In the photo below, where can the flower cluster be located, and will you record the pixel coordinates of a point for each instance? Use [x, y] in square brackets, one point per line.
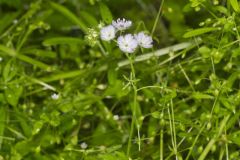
[91, 37]
[127, 43]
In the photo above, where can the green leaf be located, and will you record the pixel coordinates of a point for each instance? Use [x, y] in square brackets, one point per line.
[204, 51]
[12, 3]
[62, 40]
[156, 115]
[199, 31]
[235, 5]
[235, 137]
[101, 135]
[24, 147]
[8, 51]
[113, 156]
[34, 62]
[90, 19]
[68, 14]
[116, 89]
[39, 52]
[6, 20]
[37, 127]
[9, 70]
[199, 95]
[226, 103]
[232, 121]
[63, 75]
[105, 13]
[112, 76]
[13, 93]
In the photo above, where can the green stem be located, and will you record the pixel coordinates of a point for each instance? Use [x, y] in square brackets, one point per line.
[157, 18]
[24, 39]
[226, 147]
[221, 153]
[186, 76]
[134, 120]
[174, 129]
[161, 136]
[214, 139]
[161, 143]
[194, 142]
[102, 49]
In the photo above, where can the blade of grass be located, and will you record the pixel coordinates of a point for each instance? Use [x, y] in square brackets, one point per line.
[157, 18]
[45, 85]
[172, 128]
[60, 76]
[18, 134]
[23, 39]
[62, 40]
[2, 123]
[8, 51]
[12, 53]
[34, 62]
[69, 15]
[23, 122]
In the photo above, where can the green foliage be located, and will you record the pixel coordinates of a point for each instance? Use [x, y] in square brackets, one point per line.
[105, 13]
[235, 5]
[197, 32]
[65, 94]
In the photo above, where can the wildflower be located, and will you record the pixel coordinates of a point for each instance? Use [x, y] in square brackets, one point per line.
[144, 40]
[107, 33]
[122, 24]
[83, 145]
[116, 117]
[91, 37]
[55, 96]
[127, 43]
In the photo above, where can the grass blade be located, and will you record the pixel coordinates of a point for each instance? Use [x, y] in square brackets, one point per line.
[62, 40]
[69, 15]
[2, 123]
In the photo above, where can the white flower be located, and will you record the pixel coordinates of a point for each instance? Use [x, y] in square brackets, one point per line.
[107, 33]
[116, 117]
[83, 145]
[122, 24]
[55, 96]
[144, 40]
[127, 43]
